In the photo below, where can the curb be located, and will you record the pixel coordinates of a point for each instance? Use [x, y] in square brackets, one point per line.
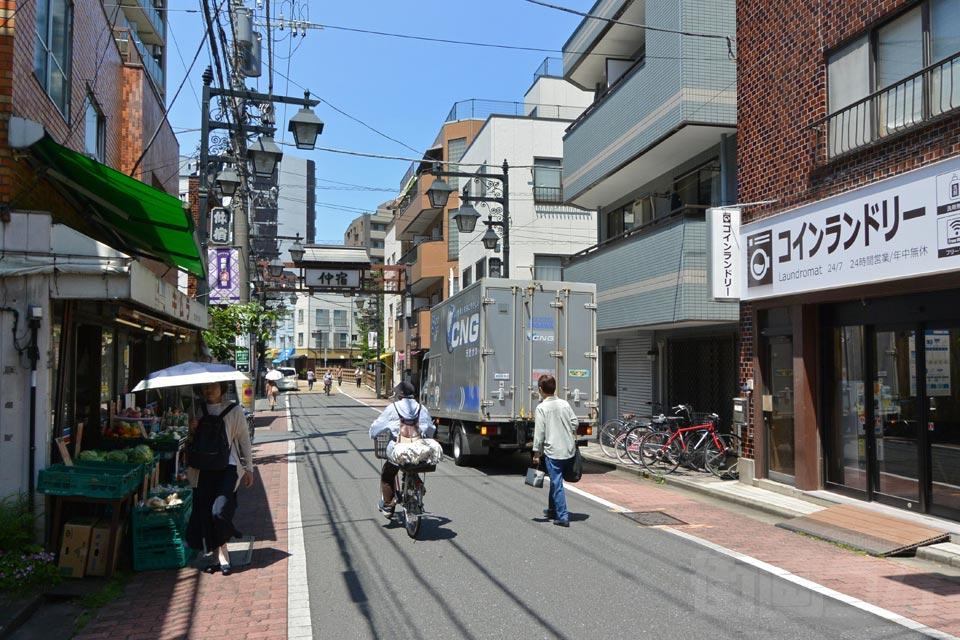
[20, 616]
[698, 487]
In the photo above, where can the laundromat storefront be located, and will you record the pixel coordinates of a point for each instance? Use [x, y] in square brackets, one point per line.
[846, 357]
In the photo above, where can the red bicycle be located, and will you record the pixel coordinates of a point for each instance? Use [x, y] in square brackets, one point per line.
[661, 452]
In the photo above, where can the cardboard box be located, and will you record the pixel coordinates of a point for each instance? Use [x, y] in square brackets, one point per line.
[75, 546]
[99, 554]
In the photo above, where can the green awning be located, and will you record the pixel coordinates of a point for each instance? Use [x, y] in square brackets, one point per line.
[142, 219]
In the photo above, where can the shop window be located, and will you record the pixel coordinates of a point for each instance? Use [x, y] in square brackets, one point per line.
[53, 49]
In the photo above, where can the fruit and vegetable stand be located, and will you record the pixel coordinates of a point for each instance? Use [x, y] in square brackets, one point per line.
[123, 482]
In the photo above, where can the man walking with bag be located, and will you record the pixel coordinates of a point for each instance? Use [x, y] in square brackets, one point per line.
[554, 438]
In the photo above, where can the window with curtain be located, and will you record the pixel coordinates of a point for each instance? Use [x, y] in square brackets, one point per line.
[547, 267]
[53, 51]
[299, 316]
[547, 183]
[340, 341]
[300, 339]
[323, 317]
[340, 317]
[883, 60]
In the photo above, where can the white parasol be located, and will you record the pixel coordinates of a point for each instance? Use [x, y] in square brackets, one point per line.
[189, 373]
[273, 374]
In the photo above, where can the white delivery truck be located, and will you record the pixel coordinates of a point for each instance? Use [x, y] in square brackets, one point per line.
[490, 343]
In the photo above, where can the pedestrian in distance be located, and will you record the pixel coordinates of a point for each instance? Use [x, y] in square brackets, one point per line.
[311, 377]
[554, 440]
[219, 460]
[359, 374]
[327, 381]
[339, 375]
[272, 394]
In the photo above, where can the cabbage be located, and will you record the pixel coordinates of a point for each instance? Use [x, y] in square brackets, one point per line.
[141, 453]
[89, 455]
[116, 456]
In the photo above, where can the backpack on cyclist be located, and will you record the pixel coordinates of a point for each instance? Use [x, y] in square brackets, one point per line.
[409, 426]
[210, 448]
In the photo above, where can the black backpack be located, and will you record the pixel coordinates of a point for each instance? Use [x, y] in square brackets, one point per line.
[210, 448]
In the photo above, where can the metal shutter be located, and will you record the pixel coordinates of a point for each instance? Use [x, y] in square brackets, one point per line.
[634, 375]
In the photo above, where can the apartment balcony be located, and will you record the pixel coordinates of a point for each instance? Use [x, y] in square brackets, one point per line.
[930, 94]
[654, 276]
[586, 51]
[674, 101]
[135, 52]
[428, 265]
[145, 18]
[420, 329]
[415, 217]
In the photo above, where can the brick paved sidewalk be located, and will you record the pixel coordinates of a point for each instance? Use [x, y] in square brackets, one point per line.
[187, 603]
[930, 598]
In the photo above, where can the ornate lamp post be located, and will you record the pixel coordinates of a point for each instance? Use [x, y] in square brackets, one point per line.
[466, 218]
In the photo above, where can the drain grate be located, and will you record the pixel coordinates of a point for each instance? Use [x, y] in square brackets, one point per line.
[651, 518]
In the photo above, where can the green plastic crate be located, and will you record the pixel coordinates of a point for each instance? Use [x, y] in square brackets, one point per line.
[139, 467]
[174, 555]
[88, 481]
[163, 520]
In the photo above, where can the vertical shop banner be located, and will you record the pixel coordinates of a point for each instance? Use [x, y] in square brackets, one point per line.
[221, 225]
[223, 275]
[723, 229]
[902, 227]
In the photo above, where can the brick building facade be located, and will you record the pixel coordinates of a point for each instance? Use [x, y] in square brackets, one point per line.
[849, 130]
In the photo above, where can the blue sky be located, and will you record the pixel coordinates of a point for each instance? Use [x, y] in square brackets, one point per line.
[403, 88]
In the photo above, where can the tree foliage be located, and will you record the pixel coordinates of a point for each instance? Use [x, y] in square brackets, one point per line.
[249, 319]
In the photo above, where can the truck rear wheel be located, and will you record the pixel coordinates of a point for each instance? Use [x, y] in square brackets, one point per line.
[459, 458]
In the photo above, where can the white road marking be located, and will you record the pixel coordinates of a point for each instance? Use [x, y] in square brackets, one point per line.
[299, 623]
[886, 614]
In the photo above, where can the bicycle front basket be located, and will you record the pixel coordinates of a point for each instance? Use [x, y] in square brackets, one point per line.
[699, 417]
[380, 445]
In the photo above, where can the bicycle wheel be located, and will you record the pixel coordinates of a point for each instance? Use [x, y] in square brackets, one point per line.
[658, 454]
[631, 442]
[411, 507]
[723, 462]
[607, 436]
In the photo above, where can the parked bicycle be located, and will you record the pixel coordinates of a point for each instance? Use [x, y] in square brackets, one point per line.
[629, 443]
[409, 487]
[700, 445]
[611, 434]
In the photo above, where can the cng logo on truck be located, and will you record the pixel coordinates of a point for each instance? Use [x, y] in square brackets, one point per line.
[540, 329]
[461, 330]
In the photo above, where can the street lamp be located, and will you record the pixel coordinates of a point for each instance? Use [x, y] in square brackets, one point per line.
[275, 267]
[297, 250]
[305, 127]
[264, 155]
[466, 218]
[228, 181]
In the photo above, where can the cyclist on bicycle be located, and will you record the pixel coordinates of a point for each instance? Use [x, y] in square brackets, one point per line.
[327, 382]
[406, 420]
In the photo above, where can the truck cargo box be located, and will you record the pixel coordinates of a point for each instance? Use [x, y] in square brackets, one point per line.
[490, 343]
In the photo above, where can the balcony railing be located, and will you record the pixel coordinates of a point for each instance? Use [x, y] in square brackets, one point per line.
[138, 53]
[929, 94]
[689, 211]
[549, 68]
[483, 109]
[548, 195]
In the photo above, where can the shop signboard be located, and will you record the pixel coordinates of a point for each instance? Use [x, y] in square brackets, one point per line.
[242, 356]
[903, 227]
[723, 227]
[332, 279]
[224, 275]
[221, 225]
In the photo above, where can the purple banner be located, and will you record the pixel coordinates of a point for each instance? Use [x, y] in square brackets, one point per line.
[224, 275]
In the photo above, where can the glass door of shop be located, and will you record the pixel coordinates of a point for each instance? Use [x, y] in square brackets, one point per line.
[778, 408]
[942, 400]
[896, 415]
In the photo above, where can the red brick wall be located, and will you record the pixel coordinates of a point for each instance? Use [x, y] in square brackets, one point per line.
[781, 77]
[131, 107]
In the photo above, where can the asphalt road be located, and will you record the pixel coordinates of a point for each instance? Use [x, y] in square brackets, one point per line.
[488, 566]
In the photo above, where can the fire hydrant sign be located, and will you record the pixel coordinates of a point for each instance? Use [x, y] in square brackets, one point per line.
[243, 359]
